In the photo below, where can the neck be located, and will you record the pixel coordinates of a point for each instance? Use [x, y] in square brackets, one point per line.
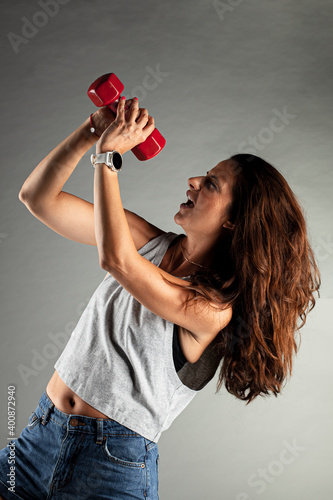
[198, 252]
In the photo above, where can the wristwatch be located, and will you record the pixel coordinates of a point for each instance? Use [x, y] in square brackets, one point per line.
[112, 159]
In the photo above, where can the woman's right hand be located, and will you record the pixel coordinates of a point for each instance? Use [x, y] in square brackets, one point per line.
[103, 117]
[128, 129]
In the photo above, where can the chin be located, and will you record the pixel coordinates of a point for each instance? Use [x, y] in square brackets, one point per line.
[178, 218]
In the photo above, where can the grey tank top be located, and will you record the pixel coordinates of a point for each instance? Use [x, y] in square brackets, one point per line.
[119, 358]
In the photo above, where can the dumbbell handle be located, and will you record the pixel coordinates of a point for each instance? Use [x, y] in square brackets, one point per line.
[105, 91]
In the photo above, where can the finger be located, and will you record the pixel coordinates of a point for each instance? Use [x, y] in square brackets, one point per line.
[133, 111]
[149, 128]
[143, 118]
[121, 108]
[128, 103]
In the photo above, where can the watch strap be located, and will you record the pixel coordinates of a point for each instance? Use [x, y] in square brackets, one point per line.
[106, 158]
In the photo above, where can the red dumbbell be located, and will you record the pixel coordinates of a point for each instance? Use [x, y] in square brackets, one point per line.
[105, 91]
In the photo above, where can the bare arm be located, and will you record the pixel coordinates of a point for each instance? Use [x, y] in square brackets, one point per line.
[45, 183]
[148, 283]
[65, 213]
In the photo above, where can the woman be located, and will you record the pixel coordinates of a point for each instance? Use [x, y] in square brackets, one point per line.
[170, 310]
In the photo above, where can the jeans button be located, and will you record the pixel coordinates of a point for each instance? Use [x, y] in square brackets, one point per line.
[74, 422]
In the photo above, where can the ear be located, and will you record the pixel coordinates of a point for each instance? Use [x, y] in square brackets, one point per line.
[228, 225]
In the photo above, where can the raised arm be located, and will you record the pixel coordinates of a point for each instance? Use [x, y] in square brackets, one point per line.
[117, 252]
[63, 212]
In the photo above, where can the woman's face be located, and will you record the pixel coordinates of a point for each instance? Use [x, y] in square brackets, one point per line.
[209, 199]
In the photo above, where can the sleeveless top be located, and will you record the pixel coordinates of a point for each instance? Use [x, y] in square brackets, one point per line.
[119, 358]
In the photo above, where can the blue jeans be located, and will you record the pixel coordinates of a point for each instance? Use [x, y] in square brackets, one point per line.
[64, 456]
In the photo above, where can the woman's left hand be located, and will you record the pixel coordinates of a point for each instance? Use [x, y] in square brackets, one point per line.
[128, 130]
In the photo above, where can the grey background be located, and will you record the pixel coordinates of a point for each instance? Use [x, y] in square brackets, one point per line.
[225, 71]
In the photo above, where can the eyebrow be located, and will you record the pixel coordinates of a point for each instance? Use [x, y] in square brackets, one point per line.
[215, 178]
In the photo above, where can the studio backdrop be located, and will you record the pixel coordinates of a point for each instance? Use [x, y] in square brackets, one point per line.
[219, 77]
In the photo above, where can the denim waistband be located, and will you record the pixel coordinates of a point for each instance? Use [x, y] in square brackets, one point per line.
[46, 410]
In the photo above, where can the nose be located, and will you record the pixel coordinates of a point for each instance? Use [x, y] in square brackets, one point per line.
[195, 183]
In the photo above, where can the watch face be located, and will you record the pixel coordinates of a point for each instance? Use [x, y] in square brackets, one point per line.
[117, 161]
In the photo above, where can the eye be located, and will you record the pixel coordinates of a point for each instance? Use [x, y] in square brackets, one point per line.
[210, 184]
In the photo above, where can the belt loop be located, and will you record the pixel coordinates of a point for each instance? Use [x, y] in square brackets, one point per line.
[47, 413]
[99, 439]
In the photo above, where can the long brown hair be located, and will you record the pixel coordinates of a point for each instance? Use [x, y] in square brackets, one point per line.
[266, 270]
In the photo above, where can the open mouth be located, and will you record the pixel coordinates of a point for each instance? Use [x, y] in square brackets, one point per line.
[188, 204]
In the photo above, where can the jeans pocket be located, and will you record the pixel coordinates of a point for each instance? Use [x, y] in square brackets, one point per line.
[128, 451]
[33, 420]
